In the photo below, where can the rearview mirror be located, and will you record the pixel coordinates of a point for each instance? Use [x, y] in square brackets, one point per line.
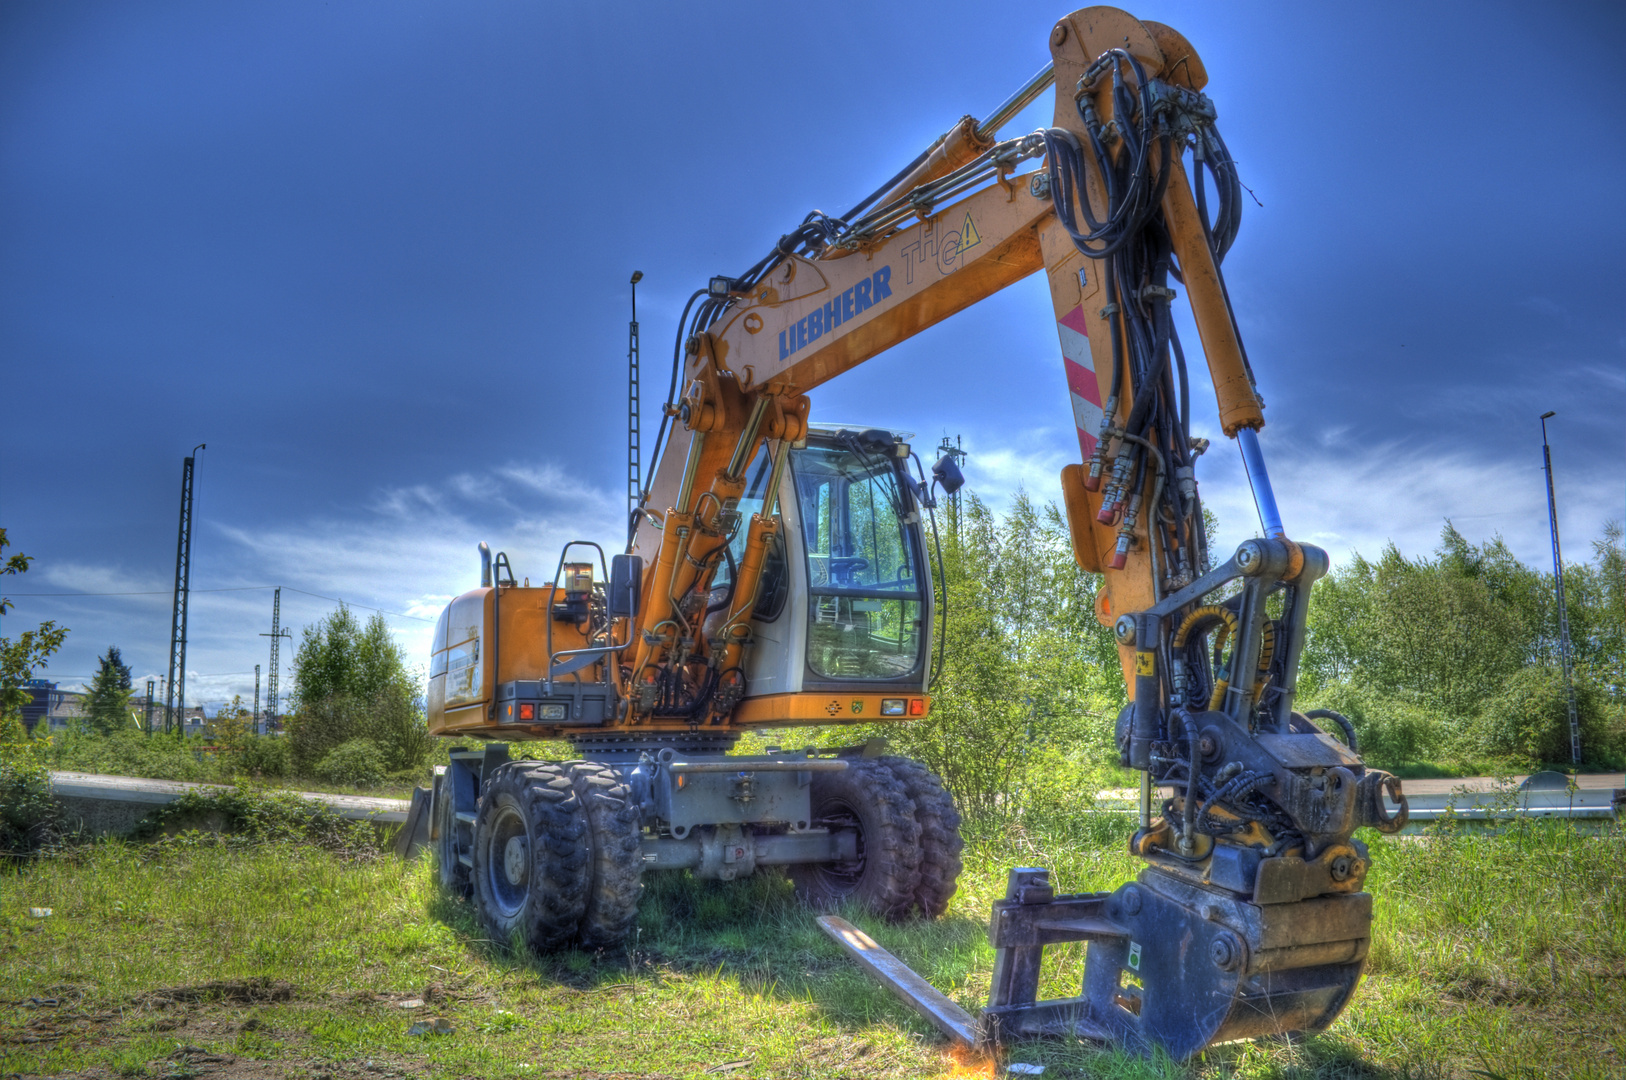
[948, 475]
[626, 581]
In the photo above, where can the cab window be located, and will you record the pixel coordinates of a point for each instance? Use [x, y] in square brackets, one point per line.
[865, 604]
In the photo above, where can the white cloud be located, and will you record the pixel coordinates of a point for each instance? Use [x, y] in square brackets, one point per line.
[408, 550]
[1346, 495]
[85, 577]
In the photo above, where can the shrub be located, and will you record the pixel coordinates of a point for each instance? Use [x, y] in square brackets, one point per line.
[262, 756]
[238, 818]
[1391, 728]
[357, 762]
[28, 811]
[1528, 721]
[131, 753]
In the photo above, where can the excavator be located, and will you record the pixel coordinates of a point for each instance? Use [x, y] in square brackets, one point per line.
[779, 573]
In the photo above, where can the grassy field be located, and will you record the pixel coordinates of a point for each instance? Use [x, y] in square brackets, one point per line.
[1493, 957]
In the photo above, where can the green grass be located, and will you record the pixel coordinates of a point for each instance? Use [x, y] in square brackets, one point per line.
[1493, 957]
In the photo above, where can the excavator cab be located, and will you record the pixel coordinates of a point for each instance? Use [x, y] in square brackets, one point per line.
[845, 603]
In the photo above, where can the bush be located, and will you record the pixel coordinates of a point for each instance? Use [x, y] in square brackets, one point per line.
[1528, 721]
[351, 682]
[131, 753]
[28, 811]
[358, 762]
[1390, 728]
[236, 817]
[264, 756]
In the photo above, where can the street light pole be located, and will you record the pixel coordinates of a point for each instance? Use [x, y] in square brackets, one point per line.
[1563, 613]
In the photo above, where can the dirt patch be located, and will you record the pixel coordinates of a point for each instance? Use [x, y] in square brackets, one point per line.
[236, 992]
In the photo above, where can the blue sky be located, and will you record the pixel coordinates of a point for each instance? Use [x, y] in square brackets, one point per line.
[375, 255]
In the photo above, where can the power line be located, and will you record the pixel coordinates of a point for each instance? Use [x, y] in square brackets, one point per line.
[240, 588]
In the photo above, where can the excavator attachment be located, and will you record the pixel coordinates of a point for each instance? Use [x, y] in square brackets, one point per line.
[1169, 966]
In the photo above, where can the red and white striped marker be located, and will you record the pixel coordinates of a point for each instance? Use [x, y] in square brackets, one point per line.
[1081, 384]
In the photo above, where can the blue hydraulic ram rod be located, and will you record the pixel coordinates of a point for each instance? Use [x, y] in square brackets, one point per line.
[1258, 479]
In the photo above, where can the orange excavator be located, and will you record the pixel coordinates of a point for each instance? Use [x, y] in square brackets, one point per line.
[778, 573]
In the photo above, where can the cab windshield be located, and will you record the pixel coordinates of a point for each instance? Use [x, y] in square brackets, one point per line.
[865, 601]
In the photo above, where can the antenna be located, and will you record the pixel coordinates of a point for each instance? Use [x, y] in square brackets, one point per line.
[634, 452]
[183, 588]
[278, 632]
[1558, 583]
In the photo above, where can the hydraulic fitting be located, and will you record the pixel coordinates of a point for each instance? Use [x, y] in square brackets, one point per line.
[1120, 552]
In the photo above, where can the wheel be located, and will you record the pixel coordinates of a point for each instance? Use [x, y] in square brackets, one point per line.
[865, 797]
[940, 842]
[531, 852]
[454, 876]
[617, 863]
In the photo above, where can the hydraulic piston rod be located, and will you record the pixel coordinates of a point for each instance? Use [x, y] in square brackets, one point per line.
[1024, 96]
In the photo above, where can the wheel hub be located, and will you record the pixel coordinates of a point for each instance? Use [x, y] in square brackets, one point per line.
[516, 858]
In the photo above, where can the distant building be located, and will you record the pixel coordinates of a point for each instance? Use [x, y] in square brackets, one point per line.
[59, 709]
[43, 697]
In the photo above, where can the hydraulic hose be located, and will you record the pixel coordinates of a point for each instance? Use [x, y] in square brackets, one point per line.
[1342, 721]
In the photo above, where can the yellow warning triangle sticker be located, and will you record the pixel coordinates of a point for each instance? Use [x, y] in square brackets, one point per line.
[969, 237]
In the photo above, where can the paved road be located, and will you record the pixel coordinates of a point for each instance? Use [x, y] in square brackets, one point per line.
[1585, 782]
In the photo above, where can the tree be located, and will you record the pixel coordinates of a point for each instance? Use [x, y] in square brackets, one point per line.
[28, 810]
[1029, 687]
[351, 681]
[109, 699]
[19, 658]
[232, 724]
[1457, 655]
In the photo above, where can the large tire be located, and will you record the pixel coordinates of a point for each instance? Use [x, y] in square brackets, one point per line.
[617, 865]
[940, 841]
[454, 876]
[532, 854]
[884, 878]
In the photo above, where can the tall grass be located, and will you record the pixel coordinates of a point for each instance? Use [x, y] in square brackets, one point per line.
[1492, 956]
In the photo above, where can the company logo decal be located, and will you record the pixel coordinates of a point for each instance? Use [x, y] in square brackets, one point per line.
[820, 321]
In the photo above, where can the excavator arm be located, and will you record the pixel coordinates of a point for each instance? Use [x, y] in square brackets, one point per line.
[1250, 917]
[1252, 856]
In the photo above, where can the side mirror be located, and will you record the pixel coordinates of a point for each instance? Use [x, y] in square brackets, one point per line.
[948, 475]
[626, 580]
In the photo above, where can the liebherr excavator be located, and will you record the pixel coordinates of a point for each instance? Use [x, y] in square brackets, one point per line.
[778, 573]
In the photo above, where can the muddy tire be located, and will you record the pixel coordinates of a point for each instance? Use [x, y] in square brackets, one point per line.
[867, 798]
[616, 865]
[940, 842]
[532, 855]
[453, 875]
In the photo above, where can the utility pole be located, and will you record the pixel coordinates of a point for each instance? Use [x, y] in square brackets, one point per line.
[1563, 612]
[276, 635]
[634, 453]
[945, 449]
[149, 706]
[183, 587]
[256, 699]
